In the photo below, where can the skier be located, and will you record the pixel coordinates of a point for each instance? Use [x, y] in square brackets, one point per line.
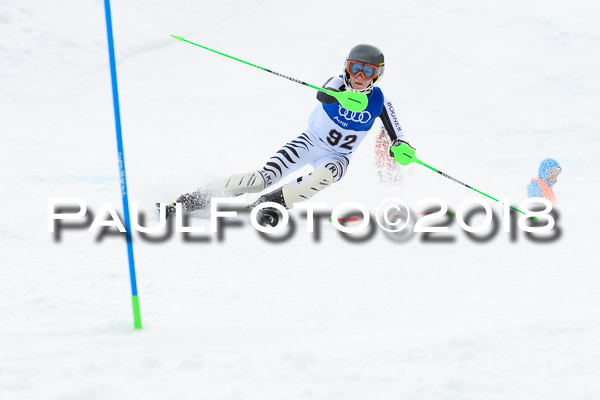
[333, 134]
[547, 176]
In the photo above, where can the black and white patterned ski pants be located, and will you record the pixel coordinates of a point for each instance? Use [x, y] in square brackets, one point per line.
[302, 151]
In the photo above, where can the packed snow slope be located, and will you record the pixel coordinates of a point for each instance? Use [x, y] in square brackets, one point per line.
[484, 90]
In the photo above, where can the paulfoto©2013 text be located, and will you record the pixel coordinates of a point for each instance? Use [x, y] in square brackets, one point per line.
[392, 216]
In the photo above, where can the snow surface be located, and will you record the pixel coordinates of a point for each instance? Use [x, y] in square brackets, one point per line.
[484, 90]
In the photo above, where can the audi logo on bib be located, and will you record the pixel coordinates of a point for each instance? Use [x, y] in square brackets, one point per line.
[362, 117]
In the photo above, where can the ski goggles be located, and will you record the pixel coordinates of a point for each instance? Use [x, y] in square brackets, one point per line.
[368, 71]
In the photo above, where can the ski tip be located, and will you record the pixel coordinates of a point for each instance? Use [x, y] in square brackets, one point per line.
[178, 38]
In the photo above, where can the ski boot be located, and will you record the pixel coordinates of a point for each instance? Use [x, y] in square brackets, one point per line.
[269, 215]
[189, 202]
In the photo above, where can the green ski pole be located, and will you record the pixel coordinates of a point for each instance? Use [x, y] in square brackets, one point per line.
[351, 101]
[404, 155]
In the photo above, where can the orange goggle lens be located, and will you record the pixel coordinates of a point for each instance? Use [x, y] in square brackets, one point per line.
[368, 71]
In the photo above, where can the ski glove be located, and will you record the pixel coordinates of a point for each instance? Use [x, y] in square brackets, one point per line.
[398, 142]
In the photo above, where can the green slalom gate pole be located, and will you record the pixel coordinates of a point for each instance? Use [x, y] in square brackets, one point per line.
[404, 155]
[351, 101]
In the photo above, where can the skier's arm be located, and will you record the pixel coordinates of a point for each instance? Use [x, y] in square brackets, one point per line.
[390, 121]
[392, 126]
[335, 84]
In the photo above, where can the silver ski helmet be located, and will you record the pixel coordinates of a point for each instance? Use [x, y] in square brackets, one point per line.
[368, 62]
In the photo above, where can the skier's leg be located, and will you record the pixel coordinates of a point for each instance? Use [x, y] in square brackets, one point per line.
[332, 168]
[291, 157]
[231, 186]
[237, 184]
[299, 190]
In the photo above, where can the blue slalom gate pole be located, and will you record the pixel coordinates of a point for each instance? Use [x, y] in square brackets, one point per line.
[137, 318]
